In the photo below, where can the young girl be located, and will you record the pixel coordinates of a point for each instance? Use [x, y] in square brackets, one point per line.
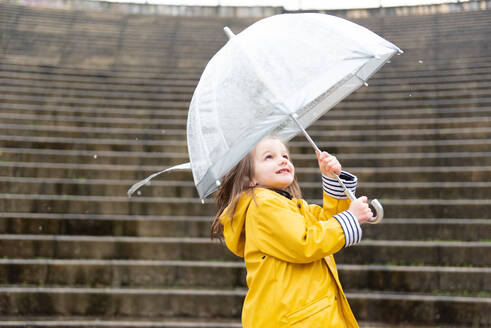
[286, 243]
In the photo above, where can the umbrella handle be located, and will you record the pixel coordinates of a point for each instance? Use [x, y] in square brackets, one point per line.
[379, 210]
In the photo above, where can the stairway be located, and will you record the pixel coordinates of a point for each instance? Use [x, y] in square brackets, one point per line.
[91, 102]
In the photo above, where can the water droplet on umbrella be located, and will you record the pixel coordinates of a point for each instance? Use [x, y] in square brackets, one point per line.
[138, 192]
[95, 156]
[365, 84]
[202, 201]
[40, 228]
[420, 61]
[388, 62]
[410, 95]
[163, 131]
[136, 138]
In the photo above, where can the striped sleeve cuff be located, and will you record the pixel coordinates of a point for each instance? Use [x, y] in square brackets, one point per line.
[351, 228]
[333, 188]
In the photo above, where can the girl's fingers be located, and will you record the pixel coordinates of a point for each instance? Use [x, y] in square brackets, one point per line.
[328, 163]
[332, 165]
[321, 157]
[332, 160]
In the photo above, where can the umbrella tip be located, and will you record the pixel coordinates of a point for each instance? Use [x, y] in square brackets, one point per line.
[228, 32]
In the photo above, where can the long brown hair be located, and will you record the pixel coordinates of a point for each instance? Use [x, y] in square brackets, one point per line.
[234, 184]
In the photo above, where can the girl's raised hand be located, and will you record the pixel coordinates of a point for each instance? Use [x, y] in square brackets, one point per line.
[328, 164]
[360, 209]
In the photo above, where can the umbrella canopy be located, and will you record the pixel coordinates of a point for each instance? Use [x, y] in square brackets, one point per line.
[282, 69]
[276, 77]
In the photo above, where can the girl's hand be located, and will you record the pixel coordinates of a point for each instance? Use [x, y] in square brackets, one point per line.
[359, 208]
[328, 164]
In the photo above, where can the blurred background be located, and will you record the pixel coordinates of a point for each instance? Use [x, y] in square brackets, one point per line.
[94, 97]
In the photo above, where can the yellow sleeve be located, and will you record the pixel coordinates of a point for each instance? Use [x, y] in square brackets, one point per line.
[336, 204]
[281, 231]
[330, 207]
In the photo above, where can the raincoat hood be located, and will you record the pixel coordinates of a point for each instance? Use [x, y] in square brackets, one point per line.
[234, 225]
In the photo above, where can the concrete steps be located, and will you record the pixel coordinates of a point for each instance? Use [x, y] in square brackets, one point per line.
[227, 304]
[13, 154]
[31, 132]
[403, 102]
[436, 253]
[130, 33]
[90, 321]
[456, 281]
[90, 127]
[158, 322]
[302, 147]
[91, 102]
[31, 75]
[422, 190]
[430, 66]
[199, 226]
[307, 174]
[49, 82]
[69, 114]
[74, 204]
[396, 74]
[382, 87]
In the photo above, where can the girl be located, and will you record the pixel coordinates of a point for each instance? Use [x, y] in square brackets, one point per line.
[286, 243]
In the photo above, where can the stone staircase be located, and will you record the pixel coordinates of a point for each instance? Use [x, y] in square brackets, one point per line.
[91, 102]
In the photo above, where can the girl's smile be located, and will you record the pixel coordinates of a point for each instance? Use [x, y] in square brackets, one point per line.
[272, 165]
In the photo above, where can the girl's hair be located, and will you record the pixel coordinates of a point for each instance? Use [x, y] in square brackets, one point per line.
[233, 185]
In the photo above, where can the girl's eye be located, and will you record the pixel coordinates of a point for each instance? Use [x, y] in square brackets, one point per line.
[285, 156]
[268, 157]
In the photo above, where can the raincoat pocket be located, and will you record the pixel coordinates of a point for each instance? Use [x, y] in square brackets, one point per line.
[306, 316]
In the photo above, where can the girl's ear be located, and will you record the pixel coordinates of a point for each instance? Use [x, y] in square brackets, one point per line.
[249, 182]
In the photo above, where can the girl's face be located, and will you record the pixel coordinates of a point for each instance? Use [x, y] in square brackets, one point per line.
[272, 166]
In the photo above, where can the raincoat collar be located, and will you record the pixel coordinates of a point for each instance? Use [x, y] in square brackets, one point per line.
[284, 193]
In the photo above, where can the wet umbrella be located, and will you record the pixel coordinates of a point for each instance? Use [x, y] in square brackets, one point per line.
[276, 77]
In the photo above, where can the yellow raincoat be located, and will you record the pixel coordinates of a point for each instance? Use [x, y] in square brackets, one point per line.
[287, 247]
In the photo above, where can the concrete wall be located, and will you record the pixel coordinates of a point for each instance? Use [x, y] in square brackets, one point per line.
[413, 10]
[221, 11]
[151, 9]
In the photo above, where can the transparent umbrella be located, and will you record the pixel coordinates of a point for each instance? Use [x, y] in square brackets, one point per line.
[276, 77]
